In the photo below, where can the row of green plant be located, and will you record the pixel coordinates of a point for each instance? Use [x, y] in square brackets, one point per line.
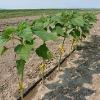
[68, 24]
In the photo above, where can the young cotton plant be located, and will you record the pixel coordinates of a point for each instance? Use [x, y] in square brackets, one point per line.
[76, 23]
[43, 51]
[54, 26]
[24, 35]
[23, 50]
[81, 23]
[62, 28]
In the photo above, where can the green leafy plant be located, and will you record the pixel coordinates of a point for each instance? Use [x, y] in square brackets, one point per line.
[69, 24]
[23, 34]
[45, 54]
[23, 50]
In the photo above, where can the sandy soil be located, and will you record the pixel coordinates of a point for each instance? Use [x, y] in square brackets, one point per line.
[80, 75]
[78, 80]
[15, 21]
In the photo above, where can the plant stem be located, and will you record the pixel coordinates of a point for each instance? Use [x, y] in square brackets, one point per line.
[21, 94]
[21, 79]
[21, 87]
[72, 44]
[60, 56]
[43, 78]
[42, 71]
[59, 61]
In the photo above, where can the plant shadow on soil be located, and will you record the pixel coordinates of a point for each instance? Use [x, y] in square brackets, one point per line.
[72, 80]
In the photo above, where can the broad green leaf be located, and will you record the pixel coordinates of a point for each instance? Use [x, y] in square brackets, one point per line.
[90, 17]
[20, 64]
[75, 34]
[45, 36]
[60, 31]
[6, 35]
[3, 41]
[57, 19]
[2, 50]
[44, 25]
[22, 25]
[24, 51]
[24, 31]
[39, 24]
[27, 34]
[44, 52]
[78, 21]
[8, 32]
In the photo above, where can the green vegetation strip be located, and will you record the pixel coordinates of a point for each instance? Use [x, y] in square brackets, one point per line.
[37, 12]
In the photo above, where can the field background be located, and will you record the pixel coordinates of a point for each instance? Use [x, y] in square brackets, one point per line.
[36, 12]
